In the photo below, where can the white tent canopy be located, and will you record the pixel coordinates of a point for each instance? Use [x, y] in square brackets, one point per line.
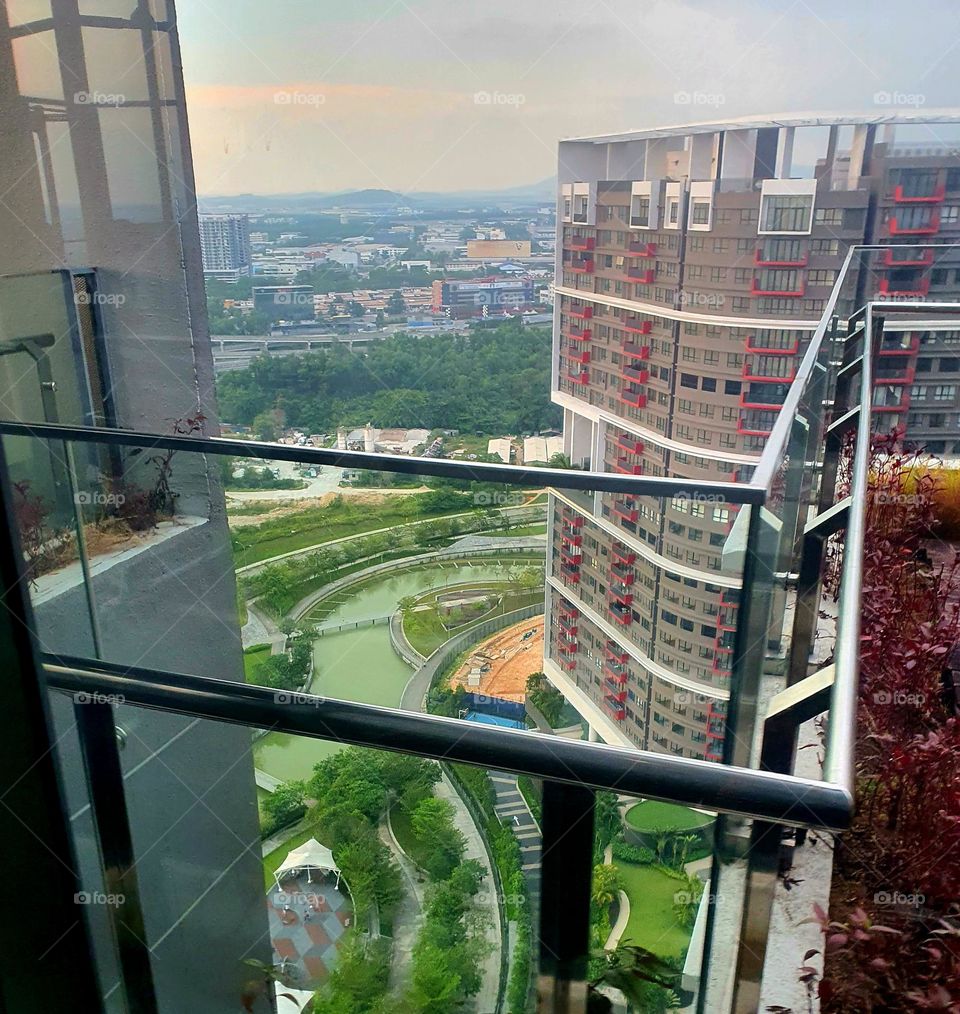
[311, 855]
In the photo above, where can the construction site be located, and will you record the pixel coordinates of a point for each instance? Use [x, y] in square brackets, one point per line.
[501, 665]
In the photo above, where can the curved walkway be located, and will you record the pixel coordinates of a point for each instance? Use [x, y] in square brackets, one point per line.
[408, 917]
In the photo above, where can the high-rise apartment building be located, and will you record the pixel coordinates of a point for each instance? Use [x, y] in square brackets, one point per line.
[693, 265]
[225, 245]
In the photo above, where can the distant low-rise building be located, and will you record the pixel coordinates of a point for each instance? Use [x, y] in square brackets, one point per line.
[478, 297]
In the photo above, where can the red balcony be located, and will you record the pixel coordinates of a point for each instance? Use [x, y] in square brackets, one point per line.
[923, 260]
[790, 350]
[638, 326]
[634, 374]
[930, 228]
[641, 277]
[751, 429]
[580, 334]
[571, 540]
[623, 596]
[571, 574]
[581, 312]
[615, 653]
[581, 267]
[613, 675]
[572, 520]
[573, 559]
[566, 609]
[801, 262]
[615, 708]
[582, 242]
[748, 374]
[935, 197]
[569, 628]
[629, 444]
[621, 615]
[625, 556]
[582, 357]
[634, 351]
[625, 511]
[576, 376]
[772, 406]
[623, 575]
[902, 350]
[637, 399]
[615, 693]
[567, 647]
[637, 248]
[784, 293]
[627, 467]
[921, 288]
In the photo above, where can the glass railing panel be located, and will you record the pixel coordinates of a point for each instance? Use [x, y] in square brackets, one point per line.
[368, 870]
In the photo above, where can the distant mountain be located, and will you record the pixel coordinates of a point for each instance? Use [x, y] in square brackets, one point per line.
[376, 201]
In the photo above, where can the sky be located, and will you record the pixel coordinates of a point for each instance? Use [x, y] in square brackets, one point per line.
[288, 96]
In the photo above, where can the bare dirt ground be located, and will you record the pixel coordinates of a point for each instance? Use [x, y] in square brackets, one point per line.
[511, 659]
[280, 508]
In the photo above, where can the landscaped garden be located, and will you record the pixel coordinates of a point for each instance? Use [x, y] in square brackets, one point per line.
[653, 922]
[253, 659]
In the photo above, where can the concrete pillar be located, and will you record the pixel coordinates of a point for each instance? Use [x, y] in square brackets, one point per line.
[341, 439]
[592, 735]
[369, 443]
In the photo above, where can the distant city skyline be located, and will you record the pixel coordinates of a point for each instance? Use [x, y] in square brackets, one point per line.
[430, 96]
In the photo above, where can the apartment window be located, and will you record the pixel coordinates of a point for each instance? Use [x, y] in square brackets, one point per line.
[748, 216]
[744, 245]
[944, 392]
[685, 405]
[787, 213]
[781, 250]
[718, 274]
[914, 182]
[708, 383]
[721, 246]
[732, 387]
[723, 216]
[683, 431]
[828, 216]
[825, 247]
[919, 391]
[728, 440]
[913, 218]
[951, 365]
[711, 356]
[700, 213]
[778, 280]
[673, 211]
[580, 208]
[735, 360]
[742, 275]
[567, 208]
[688, 353]
[695, 271]
[703, 437]
[695, 243]
[640, 211]
[740, 304]
[953, 179]
[688, 380]
[728, 414]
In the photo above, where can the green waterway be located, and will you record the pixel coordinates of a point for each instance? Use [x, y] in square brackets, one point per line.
[360, 665]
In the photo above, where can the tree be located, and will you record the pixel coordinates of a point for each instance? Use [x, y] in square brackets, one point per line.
[285, 804]
[443, 844]
[396, 304]
[265, 426]
[606, 885]
[545, 698]
[381, 318]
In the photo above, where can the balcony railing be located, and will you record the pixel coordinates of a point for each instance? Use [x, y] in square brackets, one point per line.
[754, 785]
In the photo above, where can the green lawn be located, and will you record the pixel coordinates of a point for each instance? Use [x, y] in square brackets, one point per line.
[400, 822]
[253, 658]
[652, 923]
[651, 815]
[318, 525]
[426, 632]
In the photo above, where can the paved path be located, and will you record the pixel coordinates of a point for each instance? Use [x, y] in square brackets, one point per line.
[408, 917]
[265, 781]
[513, 812]
[261, 629]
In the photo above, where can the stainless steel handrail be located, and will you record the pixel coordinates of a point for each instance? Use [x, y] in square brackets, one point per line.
[787, 799]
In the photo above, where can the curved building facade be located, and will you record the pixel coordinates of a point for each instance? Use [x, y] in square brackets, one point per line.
[693, 265]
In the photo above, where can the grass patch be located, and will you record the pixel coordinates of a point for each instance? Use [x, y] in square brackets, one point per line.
[402, 829]
[253, 658]
[318, 525]
[651, 815]
[425, 631]
[652, 923]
